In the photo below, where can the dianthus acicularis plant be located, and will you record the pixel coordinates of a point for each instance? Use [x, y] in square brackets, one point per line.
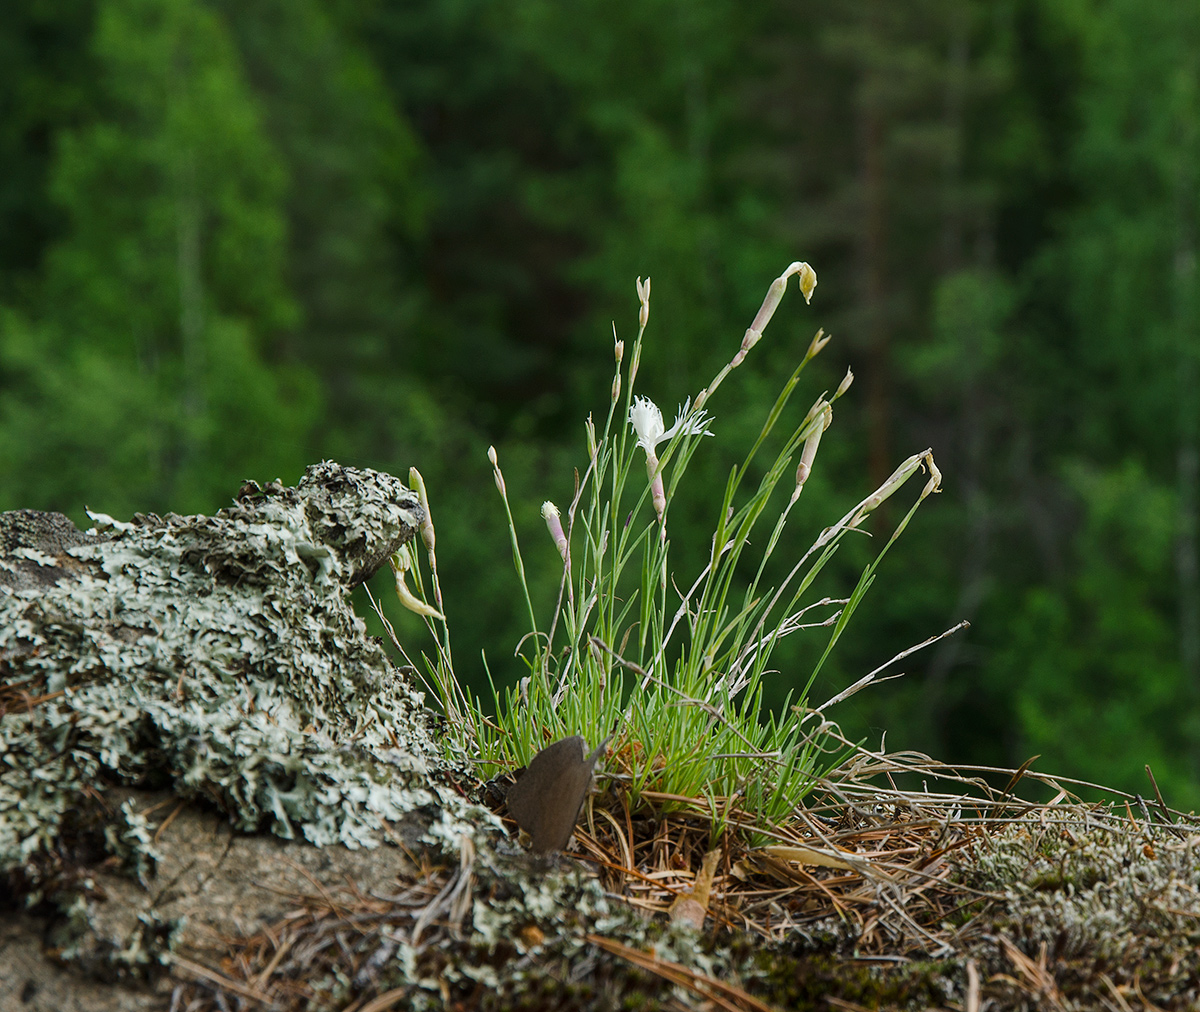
[673, 670]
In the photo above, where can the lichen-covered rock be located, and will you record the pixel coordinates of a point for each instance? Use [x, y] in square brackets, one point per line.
[218, 656]
[1111, 909]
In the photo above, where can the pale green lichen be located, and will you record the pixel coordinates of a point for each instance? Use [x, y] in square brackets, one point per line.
[1120, 901]
[135, 953]
[1091, 892]
[522, 942]
[128, 837]
[221, 656]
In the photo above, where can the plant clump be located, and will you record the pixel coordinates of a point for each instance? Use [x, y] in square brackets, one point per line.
[673, 671]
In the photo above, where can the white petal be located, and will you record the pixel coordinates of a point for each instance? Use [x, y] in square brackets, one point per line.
[697, 425]
[646, 419]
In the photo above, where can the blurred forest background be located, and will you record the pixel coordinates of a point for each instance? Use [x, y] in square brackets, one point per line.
[237, 237]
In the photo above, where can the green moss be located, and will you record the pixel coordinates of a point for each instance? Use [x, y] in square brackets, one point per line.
[806, 981]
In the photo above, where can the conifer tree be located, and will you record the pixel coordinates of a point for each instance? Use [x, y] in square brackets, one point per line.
[145, 371]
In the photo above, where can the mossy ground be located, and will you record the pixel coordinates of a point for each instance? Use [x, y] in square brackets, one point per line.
[1061, 908]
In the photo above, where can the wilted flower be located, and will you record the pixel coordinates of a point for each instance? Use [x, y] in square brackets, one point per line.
[400, 562]
[808, 281]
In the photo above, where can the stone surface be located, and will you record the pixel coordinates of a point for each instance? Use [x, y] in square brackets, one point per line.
[211, 881]
[218, 658]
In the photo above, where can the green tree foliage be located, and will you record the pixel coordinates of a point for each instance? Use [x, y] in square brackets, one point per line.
[1124, 270]
[1095, 654]
[140, 376]
[45, 77]
[355, 206]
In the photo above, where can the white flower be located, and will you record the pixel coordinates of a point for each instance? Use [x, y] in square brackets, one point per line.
[647, 422]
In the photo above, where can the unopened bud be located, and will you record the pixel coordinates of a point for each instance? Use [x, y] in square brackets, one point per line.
[554, 525]
[811, 443]
[499, 478]
[643, 291]
[427, 533]
[818, 342]
[844, 385]
[590, 429]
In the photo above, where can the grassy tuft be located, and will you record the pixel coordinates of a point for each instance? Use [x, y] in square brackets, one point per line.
[675, 675]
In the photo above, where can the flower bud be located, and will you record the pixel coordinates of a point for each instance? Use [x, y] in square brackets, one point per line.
[643, 291]
[811, 443]
[818, 342]
[427, 533]
[499, 478]
[590, 429]
[554, 525]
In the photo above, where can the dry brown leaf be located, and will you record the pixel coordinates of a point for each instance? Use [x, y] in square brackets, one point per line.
[806, 855]
[692, 907]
